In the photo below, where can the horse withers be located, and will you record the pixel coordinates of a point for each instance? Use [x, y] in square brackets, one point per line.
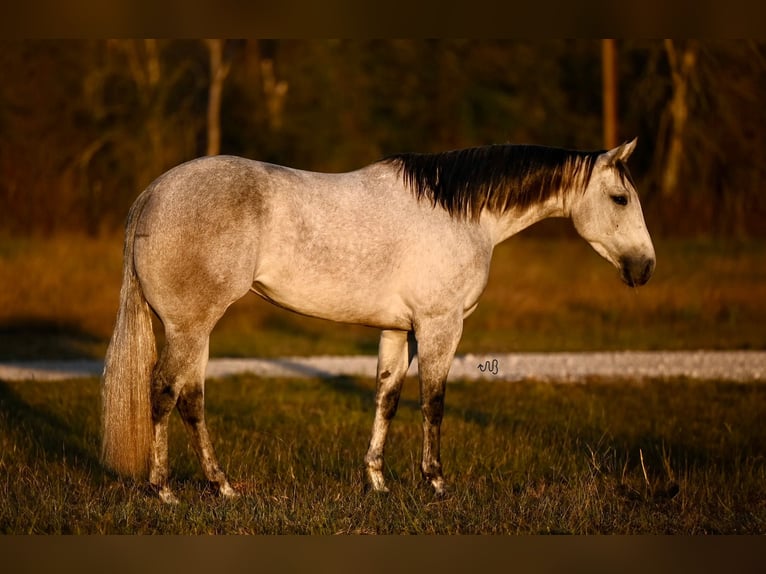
[403, 244]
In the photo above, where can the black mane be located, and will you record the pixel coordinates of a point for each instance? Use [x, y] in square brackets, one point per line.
[495, 177]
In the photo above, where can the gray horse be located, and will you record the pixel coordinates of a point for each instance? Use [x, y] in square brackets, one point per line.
[403, 245]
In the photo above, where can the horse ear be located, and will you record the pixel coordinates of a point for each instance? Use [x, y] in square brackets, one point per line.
[621, 152]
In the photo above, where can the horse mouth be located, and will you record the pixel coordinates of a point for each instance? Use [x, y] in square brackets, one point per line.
[636, 271]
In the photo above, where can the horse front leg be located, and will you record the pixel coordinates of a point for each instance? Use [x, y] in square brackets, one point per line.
[395, 354]
[437, 343]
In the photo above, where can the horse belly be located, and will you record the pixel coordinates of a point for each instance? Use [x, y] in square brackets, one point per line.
[335, 300]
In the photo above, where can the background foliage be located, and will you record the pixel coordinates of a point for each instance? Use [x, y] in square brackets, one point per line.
[87, 124]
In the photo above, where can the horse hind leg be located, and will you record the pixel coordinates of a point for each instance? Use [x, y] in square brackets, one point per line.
[191, 407]
[178, 381]
[394, 357]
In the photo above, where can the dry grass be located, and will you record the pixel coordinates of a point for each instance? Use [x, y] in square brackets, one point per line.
[59, 296]
[665, 457]
[524, 458]
[59, 299]
[560, 295]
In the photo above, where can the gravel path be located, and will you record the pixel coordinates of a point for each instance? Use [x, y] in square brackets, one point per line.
[744, 366]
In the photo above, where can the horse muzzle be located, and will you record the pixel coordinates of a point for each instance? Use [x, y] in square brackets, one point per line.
[636, 271]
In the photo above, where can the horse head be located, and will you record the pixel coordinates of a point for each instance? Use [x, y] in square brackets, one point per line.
[608, 215]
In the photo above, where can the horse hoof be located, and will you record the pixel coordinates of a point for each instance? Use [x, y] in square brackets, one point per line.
[227, 491]
[440, 489]
[167, 496]
[368, 487]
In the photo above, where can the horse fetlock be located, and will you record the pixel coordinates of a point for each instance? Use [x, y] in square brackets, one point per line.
[375, 472]
[377, 482]
[158, 477]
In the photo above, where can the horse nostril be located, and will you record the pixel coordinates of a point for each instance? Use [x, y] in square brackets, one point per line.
[637, 271]
[647, 271]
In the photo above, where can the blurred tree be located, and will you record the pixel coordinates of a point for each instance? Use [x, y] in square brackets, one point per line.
[609, 75]
[728, 164]
[219, 69]
[40, 118]
[682, 57]
[86, 125]
[139, 95]
[709, 158]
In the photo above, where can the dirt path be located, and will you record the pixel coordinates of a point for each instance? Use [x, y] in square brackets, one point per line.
[745, 366]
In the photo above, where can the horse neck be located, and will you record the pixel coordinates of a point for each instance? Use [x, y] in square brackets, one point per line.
[503, 225]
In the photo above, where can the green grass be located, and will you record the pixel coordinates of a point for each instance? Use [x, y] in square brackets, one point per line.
[655, 457]
[59, 300]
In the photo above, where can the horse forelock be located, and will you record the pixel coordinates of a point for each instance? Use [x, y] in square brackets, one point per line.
[495, 177]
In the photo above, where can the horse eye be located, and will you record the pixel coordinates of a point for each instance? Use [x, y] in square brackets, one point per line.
[620, 199]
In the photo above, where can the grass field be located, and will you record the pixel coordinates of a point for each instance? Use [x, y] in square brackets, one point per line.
[660, 457]
[655, 457]
[59, 300]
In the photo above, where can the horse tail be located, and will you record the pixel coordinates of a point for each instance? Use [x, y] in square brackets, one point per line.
[126, 420]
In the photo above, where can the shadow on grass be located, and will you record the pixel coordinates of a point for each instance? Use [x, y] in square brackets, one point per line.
[305, 330]
[25, 338]
[35, 426]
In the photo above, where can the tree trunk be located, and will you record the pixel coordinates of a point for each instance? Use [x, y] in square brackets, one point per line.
[275, 91]
[682, 68]
[609, 85]
[218, 72]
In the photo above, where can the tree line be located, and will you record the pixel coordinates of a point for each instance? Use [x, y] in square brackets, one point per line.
[86, 125]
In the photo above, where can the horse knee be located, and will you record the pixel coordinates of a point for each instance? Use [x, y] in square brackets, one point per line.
[433, 409]
[388, 403]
